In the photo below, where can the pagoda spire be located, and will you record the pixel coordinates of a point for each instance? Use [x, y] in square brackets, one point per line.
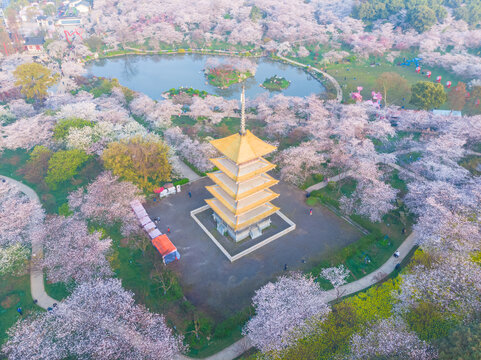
[243, 111]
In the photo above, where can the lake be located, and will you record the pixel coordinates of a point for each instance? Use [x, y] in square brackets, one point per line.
[155, 74]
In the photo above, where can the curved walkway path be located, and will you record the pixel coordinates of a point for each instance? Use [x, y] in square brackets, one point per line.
[242, 345]
[329, 77]
[36, 272]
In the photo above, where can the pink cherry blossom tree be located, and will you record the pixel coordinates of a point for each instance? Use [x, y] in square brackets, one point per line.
[195, 152]
[390, 338]
[100, 320]
[337, 276]
[18, 215]
[108, 200]
[27, 132]
[297, 163]
[284, 312]
[71, 252]
[372, 199]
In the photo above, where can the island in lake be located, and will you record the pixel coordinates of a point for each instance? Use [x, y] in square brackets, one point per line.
[225, 75]
[275, 83]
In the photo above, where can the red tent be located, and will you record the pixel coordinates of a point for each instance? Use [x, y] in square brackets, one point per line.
[166, 248]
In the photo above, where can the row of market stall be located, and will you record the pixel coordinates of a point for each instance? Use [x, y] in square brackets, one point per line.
[160, 241]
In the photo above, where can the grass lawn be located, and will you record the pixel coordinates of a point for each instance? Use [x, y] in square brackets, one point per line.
[12, 160]
[232, 125]
[472, 163]
[58, 291]
[372, 250]
[408, 158]
[183, 121]
[362, 73]
[391, 144]
[14, 293]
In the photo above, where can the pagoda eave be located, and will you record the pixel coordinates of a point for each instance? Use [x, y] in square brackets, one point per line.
[244, 205]
[242, 221]
[243, 172]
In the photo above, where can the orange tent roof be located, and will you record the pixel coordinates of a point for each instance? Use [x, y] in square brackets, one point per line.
[163, 244]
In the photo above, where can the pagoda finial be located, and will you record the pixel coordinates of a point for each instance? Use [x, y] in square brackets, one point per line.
[243, 110]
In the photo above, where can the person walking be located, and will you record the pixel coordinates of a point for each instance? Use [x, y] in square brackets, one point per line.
[20, 311]
[168, 230]
[310, 212]
[190, 194]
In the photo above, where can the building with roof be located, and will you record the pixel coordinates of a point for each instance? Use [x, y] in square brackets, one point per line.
[34, 44]
[241, 192]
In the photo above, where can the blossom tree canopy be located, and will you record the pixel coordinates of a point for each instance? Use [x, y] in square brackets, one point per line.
[71, 252]
[284, 311]
[108, 200]
[390, 338]
[98, 321]
[18, 215]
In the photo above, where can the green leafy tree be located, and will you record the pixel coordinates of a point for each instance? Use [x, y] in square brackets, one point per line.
[34, 80]
[393, 88]
[256, 14]
[64, 165]
[394, 6]
[142, 161]
[463, 343]
[421, 18]
[426, 320]
[94, 43]
[62, 128]
[470, 12]
[427, 95]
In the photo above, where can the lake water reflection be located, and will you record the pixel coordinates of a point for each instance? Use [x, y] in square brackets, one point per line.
[154, 74]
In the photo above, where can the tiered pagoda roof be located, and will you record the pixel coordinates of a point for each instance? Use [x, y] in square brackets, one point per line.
[241, 191]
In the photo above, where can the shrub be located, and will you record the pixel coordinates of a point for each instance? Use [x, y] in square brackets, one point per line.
[181, 182]
[64, 210]
[64, 165]
[61, 130]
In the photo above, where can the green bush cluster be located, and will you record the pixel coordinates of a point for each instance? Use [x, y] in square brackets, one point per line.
[62, 128]
[64, 165]
[421, 14]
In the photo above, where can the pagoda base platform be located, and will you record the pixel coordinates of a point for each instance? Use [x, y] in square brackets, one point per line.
[252, 231]
[273, 228]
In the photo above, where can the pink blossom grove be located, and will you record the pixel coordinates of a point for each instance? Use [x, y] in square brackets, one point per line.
[108, 200]
[284, 310]
[72, 252]
[98, 320]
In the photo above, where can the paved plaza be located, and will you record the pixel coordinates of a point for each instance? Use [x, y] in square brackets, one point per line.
[211, 282]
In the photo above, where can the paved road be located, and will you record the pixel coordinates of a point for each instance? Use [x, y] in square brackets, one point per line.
[329, 77]
[36, 272]
[185, 171]
[324, 183]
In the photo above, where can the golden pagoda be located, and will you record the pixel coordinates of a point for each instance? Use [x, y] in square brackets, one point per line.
[242, 197]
